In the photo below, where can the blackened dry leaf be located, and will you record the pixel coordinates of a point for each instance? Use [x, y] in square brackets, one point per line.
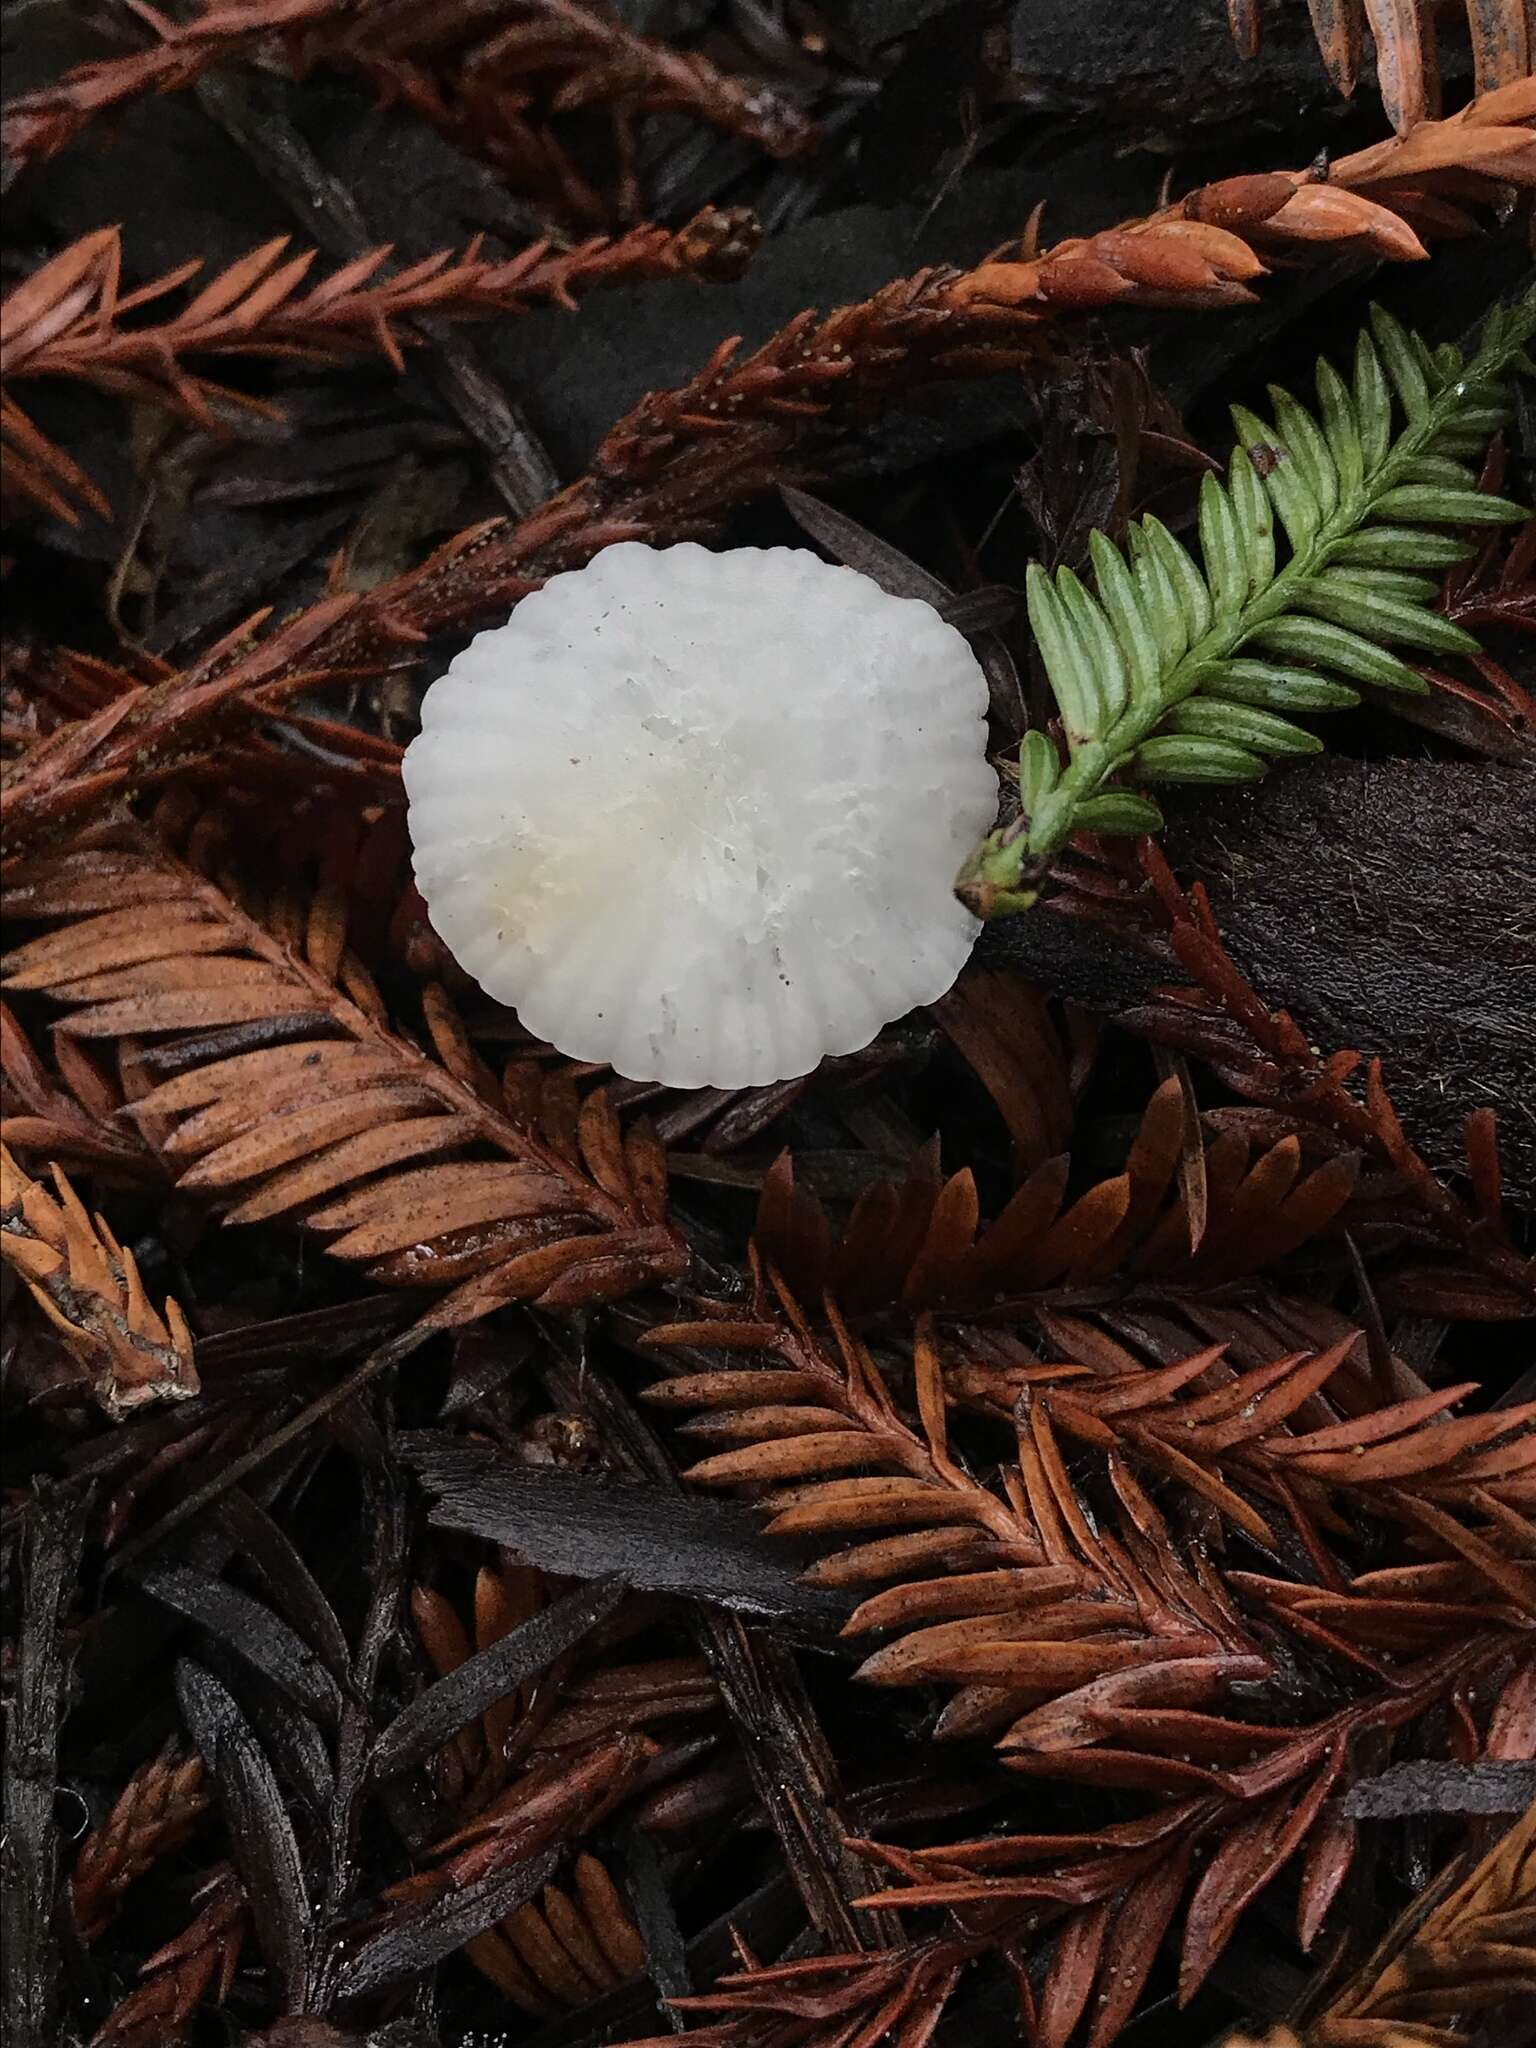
[293, 1744]
[1489, 1786]
[262, 1840]
[795, 1775]
[857, 548]
[253, 1632]
[330, 1334]
[492, 1673]
[264, 1547]
[443, 1927]
[666, 1953]
[979, 611]
[1072, 957]
[574, 1524]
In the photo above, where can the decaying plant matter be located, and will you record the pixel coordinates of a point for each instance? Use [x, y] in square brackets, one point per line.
[1026, 1534]
[994, 1588]
[158, 1808]
[675, 465]
[1468, 1954]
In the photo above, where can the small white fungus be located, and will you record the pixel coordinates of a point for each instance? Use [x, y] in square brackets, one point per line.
[699, 815]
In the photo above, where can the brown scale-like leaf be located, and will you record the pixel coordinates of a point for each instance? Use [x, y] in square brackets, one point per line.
[370, 1152]
[1003, 1028]
[1469, 1955]
[527, 1747]
[88, 1286]
[157, 1809]
[1245, 1861]
[1429, 1451]
[201, 1961]
[1071, 1634]
[564, 1949]
[1074, 1967]
[37, 469]
[1142, 1919]
[1117, 1891]
[474, 1879]
[332, 1119]
[432, 1201]
[1339, 26]
[1233, 1437]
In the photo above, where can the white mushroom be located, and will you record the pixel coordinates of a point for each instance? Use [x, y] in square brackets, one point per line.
[698, 815]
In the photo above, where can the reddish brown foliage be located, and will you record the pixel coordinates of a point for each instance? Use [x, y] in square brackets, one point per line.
[1112, 1896]
[68, 319]
[1079, 1436]
[680, 459]
[199, 1964]
[580, 53]
[156, 1810]
[292, 1097]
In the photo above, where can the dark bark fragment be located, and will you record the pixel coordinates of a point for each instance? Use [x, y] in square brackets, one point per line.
[29, 1855]
[574, 1524]
[1385, 905]
[326, 208]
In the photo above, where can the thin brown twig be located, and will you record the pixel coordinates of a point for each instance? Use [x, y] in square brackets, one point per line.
[587, 53]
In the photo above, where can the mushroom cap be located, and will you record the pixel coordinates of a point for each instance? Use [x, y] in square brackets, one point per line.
[698, 815]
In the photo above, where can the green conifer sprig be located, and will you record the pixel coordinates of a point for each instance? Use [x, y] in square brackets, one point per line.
[1174, 672]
